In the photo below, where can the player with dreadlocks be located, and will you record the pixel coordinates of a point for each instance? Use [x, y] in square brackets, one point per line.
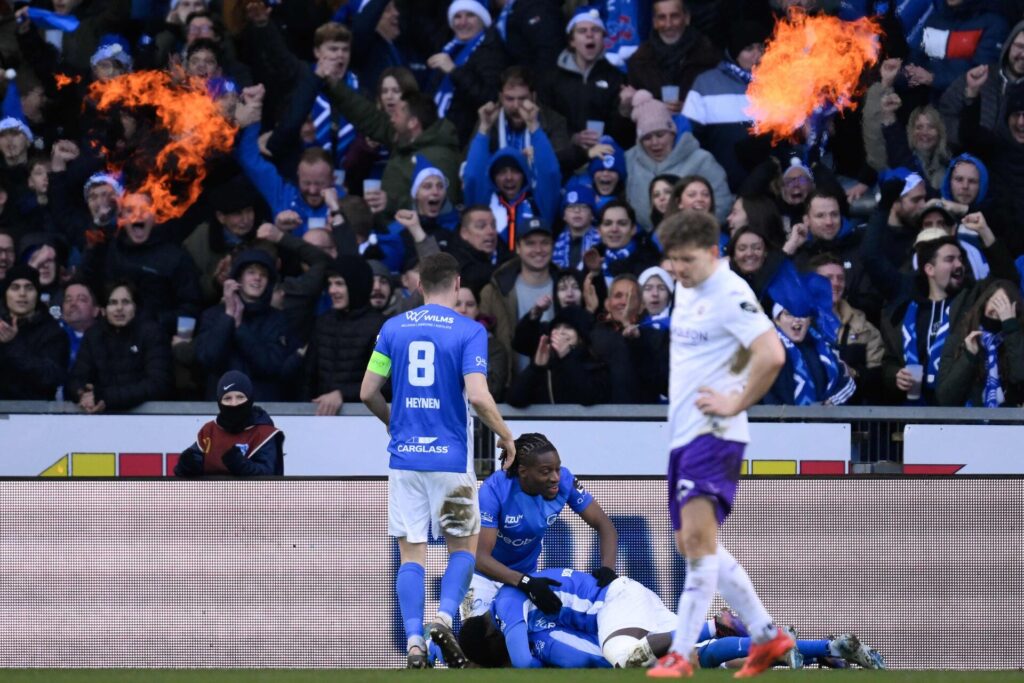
[517, 505]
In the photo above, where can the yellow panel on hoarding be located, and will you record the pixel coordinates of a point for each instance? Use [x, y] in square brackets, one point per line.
[93, 465]
[57, 469]
[773, 467]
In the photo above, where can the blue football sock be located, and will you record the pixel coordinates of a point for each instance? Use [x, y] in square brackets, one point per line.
[723, 650]
[455, 581]
[705, 633]
[813, 648]
[411, 597]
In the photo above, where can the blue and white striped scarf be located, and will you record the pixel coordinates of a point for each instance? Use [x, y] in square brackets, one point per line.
[459, 51]
[840, 385]
[560, 252]
[993, 396]
[611, 255]
[502, 23]
[936, 340]
[336, 140]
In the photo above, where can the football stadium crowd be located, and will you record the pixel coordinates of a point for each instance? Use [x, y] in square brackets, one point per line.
[539, 142]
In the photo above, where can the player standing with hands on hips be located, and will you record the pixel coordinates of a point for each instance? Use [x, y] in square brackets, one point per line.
[436, 359]
[724, 358]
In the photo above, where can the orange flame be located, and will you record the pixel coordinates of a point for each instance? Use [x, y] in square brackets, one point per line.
[194, 123]
[64, 81]
[809, 62]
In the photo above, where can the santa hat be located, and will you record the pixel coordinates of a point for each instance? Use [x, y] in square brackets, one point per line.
[471, 6]
[651, 115]
[102, 179]
[585, 14]
[12, 123]
[424, 169]
[112, 46]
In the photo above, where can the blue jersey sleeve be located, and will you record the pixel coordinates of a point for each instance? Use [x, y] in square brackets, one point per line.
[474, 354]
[577, 497]
[566, 649]
[490, 503]
[517, 641]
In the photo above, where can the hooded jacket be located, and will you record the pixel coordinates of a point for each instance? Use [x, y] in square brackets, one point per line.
[947, 191]
[541, 193]
[686, 158]
[126, 365]
[262, 346]
[953, 100]
[955, 39]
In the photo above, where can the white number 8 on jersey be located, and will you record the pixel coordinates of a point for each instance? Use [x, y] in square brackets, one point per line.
[421, 363]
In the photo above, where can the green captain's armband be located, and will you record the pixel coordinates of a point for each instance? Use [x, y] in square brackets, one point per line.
[379, 364]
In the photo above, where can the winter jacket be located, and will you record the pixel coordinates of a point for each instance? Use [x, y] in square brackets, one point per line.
[582, 97]
[34, 363]
[577, 378]
[898, 152]
[954, 100]
[339, 351]
[219, 452]
[439, 143]
[126, 366]
[619, 354]
[570, 155]
[962, 374]
[716, 107]
[535, 34]
[542, 192]
[686, 158]
[955, 39]
[476, 267]
[476, 83]
[163, 273]
[846, 246]
[371, 54]
[692, 55]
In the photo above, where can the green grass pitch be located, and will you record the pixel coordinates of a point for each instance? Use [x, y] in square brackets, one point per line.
[475, 676]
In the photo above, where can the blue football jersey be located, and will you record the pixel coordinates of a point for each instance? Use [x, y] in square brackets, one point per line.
[565, 649]
[522, 519]
[580, 595]
[427, 352]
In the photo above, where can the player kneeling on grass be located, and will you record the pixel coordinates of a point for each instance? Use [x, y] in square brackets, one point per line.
[623, 623]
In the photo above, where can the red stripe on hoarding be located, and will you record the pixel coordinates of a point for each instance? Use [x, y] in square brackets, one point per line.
[932, 469]
[822, 467]
[141, 465]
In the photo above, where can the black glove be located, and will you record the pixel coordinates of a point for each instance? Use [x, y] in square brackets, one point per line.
[232, 458]
[190, 464]
[539, 590]
[604, 576]
[891, 190]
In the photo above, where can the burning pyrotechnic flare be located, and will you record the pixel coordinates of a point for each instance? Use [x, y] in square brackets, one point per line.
[63, 80]
[194, 126]
[809, 62]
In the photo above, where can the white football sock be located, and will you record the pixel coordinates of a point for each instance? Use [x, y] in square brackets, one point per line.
[735, 586]
[698, 592]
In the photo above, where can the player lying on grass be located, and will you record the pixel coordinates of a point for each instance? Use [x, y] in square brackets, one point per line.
[616, 617]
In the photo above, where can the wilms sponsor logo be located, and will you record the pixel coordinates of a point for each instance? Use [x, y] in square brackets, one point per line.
[423, 316]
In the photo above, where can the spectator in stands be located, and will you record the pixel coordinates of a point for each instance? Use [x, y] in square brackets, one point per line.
[70, 52]
[517, 86]
[513, 187]
[656, 290]
[858, 342]
[692, 192]
[343, 337]
[607, 171]
[33, 348]
[497, 356]
[477, 248]
[937, 214]
[579, 235]
[989, 82]
[921, 145]
[826, 230]
[616, 341]
[674, 55]
[79, 312]
[958, 35]
[101, 191]
[436, 216]
[983, 360]
[413, 129]
[241, 441]
[469, 66]
[383, 297]
[756, 259]
[48, 254]
[532, 32]
[661, 195]
[163, 272]
[245, 333]
[623, 248]
[522, 283]
[760, 213]
[584, 86]
[966, 183]
[716, 104]
[123, 361]
[659, 151]
[7, 252]
[378, 43]
[562, 370]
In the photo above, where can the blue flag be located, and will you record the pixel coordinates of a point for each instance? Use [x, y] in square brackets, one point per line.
[46, 19]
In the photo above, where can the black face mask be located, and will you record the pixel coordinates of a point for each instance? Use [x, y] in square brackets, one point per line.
[991, 325]
[235, 419]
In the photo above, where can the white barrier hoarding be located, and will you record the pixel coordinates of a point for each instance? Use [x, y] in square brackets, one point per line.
[963, 449]
[147, 445]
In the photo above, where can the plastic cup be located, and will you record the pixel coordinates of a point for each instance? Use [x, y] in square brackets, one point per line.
[186, 326]
[370, 185]
[316, 222]
[917, 373]
[670, 93]
[596, 126]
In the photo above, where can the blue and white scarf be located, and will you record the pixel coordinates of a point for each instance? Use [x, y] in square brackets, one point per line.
[502, 23]
[335, 140]
[993, 396]
[612, 255]
[937, 333]
[459, 51]
[736, 70]
[560, 253]
[840, 385]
